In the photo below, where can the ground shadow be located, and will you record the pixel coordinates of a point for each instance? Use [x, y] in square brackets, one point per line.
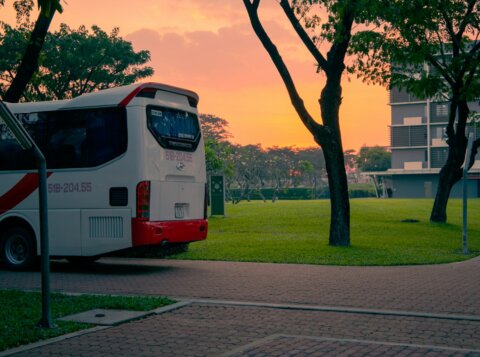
[109, 267]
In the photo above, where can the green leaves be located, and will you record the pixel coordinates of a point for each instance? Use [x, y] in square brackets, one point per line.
[73, 61]
[374, 158]
[415, 32]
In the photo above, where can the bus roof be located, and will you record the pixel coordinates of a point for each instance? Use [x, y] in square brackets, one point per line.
[117, 96]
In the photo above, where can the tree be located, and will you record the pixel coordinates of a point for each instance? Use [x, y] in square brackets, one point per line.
[374, 158]
[214, 127]
[431, 48]
[29, 61]
[74, 62]
[336, 30]
[217, 148]
[351, 164]
[282, 167]
[314, 156]
[249, 169]
[308, 172]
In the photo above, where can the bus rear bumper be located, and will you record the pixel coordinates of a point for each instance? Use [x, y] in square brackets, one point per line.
[151, 233]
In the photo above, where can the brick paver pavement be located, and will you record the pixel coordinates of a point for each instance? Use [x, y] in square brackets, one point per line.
[215, 330]
[449, 288]
[221, 329]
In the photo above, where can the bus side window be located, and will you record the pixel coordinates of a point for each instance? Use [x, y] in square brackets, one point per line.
[67, 132]
[12, 156]
[106, 135]
[68, 138]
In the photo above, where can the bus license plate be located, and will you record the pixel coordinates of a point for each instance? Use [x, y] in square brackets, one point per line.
[179, 210]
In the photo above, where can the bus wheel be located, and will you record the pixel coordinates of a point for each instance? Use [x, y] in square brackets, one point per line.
[18, 249]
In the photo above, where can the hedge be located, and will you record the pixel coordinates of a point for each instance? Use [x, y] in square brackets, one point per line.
[292, 193]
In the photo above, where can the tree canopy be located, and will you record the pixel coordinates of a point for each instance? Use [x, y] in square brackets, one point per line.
[428, 47]
[214, 127]
[72, 61]
[432, 49]
[374, 158]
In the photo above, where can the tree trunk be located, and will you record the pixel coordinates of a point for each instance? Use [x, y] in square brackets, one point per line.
[339, 202]
[449, 175]
[330, 101]
[452, 171]
[29, 63]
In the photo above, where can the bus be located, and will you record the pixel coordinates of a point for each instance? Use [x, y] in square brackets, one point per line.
[125, 168]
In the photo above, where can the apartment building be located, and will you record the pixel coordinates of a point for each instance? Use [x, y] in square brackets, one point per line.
[419, 148]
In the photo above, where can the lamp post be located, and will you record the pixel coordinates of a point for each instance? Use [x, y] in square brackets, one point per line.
[465, 194]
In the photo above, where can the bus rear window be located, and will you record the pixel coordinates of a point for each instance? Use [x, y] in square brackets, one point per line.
[174, 129]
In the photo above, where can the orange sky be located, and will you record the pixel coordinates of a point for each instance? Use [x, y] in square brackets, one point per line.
[208, 46]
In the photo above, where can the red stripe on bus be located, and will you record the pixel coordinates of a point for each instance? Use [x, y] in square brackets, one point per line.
[19, 192]
[129, 97]
[134, 93]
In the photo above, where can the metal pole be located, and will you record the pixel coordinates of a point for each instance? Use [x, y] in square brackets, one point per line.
[465, 194]
[429, 137]
[429, 133]
[46, 320]
[27, 143]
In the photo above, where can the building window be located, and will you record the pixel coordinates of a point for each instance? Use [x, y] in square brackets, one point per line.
[438, 132]
[402, 136]
[442, 110]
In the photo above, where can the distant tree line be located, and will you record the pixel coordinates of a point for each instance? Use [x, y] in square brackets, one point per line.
[252, 171]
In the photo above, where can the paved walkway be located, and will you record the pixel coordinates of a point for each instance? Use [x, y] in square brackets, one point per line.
[250, 309]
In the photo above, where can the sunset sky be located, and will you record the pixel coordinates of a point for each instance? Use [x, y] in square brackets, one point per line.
[209, 46]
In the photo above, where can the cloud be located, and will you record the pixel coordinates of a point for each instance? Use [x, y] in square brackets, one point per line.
[227, 59]
[231, 11]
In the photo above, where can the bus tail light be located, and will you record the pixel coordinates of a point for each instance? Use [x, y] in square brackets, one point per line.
[143, 201]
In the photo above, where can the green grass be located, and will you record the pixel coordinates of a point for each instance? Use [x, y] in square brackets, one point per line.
[297, 232]
[21, 311]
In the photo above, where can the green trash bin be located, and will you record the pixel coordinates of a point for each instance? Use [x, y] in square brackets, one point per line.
[217, 195]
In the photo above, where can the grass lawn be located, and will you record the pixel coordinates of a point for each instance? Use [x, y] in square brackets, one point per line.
[297, 232]
[21, 311]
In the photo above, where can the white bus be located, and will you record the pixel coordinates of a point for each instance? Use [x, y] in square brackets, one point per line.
[125, 167]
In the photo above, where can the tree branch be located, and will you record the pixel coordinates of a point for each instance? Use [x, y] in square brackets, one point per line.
[441, 69]
[475, 146]
[295, 98]
[451, 120]
[472, 72]
[307, 41]
[339, 48]
[29, 63]
[449, 25]
[466, 19]
[477, 45]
